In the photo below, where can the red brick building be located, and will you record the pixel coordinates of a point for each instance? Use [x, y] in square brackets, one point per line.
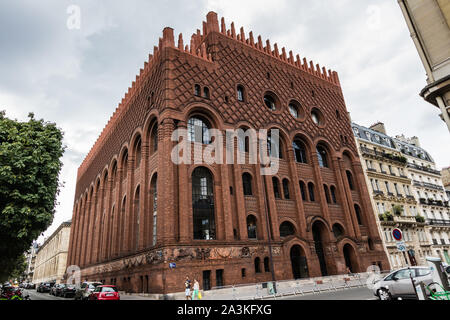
[136, 212]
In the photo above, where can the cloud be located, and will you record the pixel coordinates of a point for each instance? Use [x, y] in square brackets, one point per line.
[77, 77]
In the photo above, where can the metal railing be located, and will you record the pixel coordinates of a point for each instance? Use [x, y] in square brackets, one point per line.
[422, 168]
[264, 290]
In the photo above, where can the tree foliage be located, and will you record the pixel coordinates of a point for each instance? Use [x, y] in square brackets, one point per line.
[30, 163]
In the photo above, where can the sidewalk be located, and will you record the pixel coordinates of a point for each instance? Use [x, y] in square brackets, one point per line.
[261, 291]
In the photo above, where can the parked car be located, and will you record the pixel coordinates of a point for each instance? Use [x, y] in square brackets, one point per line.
[85, 290]
[56, 289]
[68, 291]
[45, 287]
[105, 292]
[398, 284]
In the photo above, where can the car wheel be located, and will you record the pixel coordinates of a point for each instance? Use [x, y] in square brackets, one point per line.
[384, 294]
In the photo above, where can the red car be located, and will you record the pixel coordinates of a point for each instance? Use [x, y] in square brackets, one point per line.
[105, 292]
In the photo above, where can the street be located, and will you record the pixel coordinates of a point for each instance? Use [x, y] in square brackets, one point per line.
[347, 294]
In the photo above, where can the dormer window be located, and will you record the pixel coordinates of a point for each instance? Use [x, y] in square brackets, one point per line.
[240, 93]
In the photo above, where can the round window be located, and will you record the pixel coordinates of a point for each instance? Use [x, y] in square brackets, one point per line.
[316, 117]
[270, 102]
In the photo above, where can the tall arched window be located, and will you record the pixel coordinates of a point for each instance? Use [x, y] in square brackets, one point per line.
[286, 229]
[350, 179]
[276, 188]
[125, 164]
[154, 139]
[203, 204]
[197, 90]
[333, 194]
[247, 184]
[327, 195]
[358, 215]
[206, 92]
[311, 191]
[286, 189]
[266, 264]
[251, 227]
[240, 93]
[137, 216]
[121, 238]
[138, 153]
[303, 190]
[337, 230]
[198, 129]
[322, 156]
[257, 265]
[154, 199]
[300, 151]
[277, 144]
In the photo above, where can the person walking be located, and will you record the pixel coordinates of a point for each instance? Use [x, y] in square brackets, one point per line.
[195, 291]
[187, 286]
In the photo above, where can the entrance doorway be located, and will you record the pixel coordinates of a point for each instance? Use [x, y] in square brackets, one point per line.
[318, 230]
[207, 280]
[299, 264]
[351, 261]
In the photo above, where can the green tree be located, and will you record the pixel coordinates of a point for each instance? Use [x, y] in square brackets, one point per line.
[30, 163]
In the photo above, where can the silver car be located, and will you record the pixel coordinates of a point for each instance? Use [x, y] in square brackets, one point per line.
[398, 284]
[86, 288]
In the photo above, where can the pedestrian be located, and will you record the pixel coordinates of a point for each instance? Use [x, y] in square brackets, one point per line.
[349, 272]
[187, 287]
[195, 291]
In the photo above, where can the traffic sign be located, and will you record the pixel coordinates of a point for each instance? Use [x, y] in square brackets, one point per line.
[397, 234]
[172, 265]
[401, 246]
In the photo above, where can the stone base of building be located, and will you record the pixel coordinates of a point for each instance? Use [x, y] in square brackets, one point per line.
[215, 264]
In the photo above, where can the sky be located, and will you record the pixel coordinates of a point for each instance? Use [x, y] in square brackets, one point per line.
[71, 62]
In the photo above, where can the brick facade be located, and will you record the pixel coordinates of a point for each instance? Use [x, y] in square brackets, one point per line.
[112, 234]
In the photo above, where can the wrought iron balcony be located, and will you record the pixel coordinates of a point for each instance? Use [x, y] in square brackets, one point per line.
[389, 156]
[378, 192]
[438, 222]
[428, 185]
[423, 168]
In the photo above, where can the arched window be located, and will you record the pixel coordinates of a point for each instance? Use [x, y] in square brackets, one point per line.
[244, 141]
[303, 190]
[350, 179]
[257, 265]
[337, 230]
[327, 195]
[125, 164]
[300, 151]
[358, 214]
[197, 90]
[198, 129]
[266, 264]
[276, 188]
[293, 109]
[247, 182]
[251, 227]
[286, 188]
[206, 92]
[154, 199]
[240, 93]
[278, 144]
[311, 191]
[203, 204]
[136, 216]
[333, 194]
[154, 139]
[322, 156]
[138, 153]
[121, 238]
[287, 229]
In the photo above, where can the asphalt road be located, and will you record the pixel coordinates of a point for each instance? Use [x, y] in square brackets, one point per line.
[347, 294]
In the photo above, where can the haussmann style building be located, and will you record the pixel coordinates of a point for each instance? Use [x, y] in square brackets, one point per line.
[407, 193]
[51, 256]
[145, 223]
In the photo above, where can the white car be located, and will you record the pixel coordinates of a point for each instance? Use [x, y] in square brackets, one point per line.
[398, 283]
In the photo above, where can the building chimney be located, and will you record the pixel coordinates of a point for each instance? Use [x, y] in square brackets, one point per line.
[415, 141]
[379, 127]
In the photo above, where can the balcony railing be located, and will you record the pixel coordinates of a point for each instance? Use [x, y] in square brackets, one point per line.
[378, 192]
[432, 202]
[428, 185]
[371, 170]
[438, 222]
[404, 219]
[389, 156]
[422, 168]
